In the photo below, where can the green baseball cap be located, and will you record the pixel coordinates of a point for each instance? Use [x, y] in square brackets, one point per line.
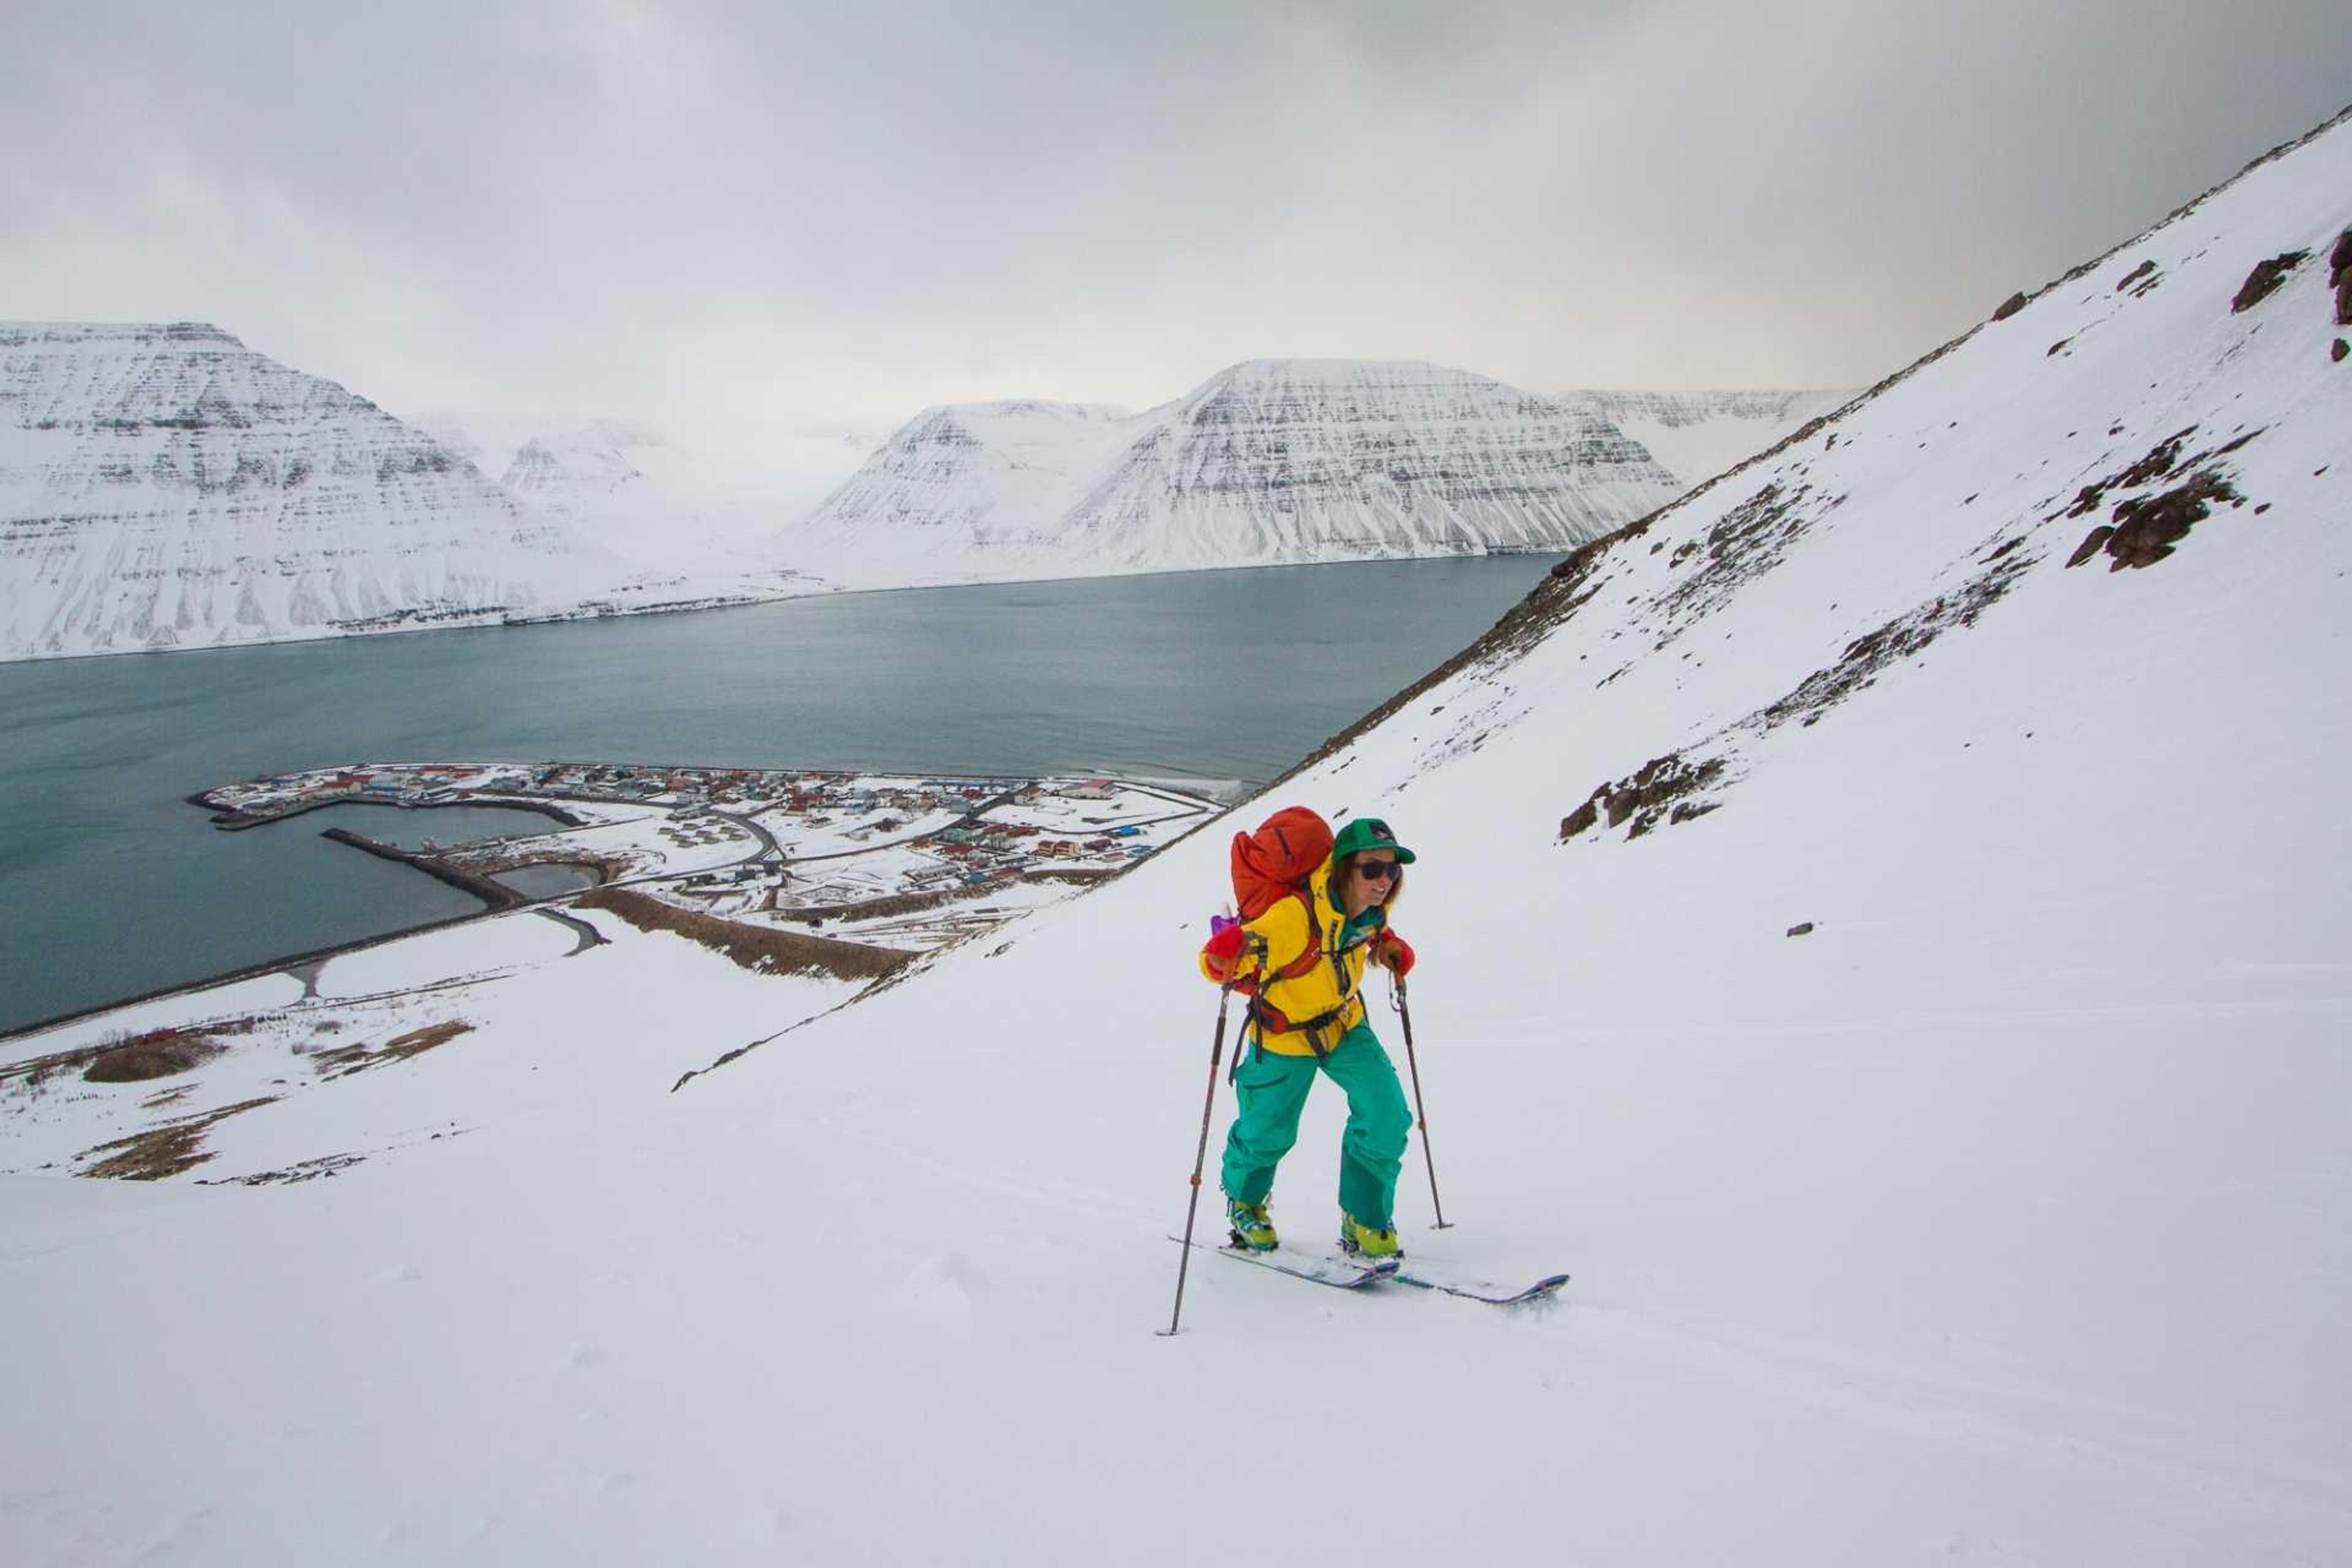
[1367, 833]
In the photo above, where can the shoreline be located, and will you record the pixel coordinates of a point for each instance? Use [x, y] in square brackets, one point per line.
[499, 898]
[254, 971]
[755, 601]
[231, 820]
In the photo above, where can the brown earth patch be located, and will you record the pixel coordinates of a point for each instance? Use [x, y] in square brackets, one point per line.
[1076, 876]
[130, 1058]
[2340, 278]
[754, 948]
[2145, 269]
[872, 908]
[345, 1060]
[162, 1151]
[151, 1056]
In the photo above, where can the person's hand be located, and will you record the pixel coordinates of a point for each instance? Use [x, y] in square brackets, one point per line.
[1396, 955]
[1222, 948]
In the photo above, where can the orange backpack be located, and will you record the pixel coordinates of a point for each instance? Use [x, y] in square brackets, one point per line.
[1275, 861]
[1269, 866]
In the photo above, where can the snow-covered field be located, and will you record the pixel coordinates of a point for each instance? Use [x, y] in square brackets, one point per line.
[2005, 1217]
[550, 1026]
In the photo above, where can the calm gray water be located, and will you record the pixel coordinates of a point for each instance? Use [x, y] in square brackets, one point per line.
[111, 885]
[546, 881]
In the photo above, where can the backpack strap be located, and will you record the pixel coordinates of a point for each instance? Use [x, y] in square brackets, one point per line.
[1266, 1016]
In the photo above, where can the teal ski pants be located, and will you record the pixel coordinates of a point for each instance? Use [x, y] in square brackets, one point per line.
[1273, 1092]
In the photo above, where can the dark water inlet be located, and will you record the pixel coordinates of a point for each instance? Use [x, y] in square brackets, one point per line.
[111, 885]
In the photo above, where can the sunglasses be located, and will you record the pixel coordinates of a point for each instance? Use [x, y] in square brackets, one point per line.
[1378, 871]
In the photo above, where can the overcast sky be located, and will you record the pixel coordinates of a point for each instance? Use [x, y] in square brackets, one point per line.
[770, 217]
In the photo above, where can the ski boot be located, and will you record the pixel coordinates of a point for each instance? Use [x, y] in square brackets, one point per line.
[1252, 1230]
[1359, 1240]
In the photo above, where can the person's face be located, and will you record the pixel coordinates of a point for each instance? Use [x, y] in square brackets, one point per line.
[1369, 879]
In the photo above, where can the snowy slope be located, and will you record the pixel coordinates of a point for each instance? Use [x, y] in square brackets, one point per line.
[958, 484]
[1698, 434]
[1268, 462]
[165, 487]
[2003, 1218]
[682, 506]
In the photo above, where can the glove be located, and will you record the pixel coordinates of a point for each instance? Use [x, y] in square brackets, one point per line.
[1222, 948]
[1396, 955]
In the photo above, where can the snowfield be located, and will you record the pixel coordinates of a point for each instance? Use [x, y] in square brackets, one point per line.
[2003, 1216]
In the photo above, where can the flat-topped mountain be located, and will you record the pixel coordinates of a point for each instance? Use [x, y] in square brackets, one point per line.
[1268, 462]
[165, 486]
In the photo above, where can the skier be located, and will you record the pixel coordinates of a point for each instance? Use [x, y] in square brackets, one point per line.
[1306, 956]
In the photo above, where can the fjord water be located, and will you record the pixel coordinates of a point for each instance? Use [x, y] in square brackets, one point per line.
[111, 885]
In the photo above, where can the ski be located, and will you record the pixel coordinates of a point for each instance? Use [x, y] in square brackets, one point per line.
[1543, 1289]
[1337, 1271]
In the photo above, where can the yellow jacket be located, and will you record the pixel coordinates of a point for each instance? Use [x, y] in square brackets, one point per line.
[1332, 981]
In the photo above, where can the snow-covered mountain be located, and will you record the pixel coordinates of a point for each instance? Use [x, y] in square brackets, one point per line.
[1271, 461]
[1698, 434]
[700, 509]
[1881, 930]
[165, 487]
[970, 481]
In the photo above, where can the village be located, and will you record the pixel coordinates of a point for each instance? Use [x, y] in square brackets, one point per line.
[900, 863]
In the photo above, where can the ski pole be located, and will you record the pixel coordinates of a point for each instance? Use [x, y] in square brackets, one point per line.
[1201, 1156]
[1420, 1118]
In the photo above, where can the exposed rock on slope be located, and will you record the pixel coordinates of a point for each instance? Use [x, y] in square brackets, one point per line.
[1828, 566]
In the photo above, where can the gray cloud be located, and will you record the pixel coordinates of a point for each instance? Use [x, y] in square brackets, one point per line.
[761, 217]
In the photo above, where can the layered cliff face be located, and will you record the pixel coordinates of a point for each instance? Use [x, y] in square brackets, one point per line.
[1288, 461]
[1698, 435]
[1269, 462]
[165, 487]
